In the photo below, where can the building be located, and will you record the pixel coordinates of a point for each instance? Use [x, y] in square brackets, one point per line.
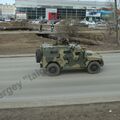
[56, 9]
[7, 11]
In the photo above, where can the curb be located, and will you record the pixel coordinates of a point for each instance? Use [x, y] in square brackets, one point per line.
[33, 55]
[107, 52]
[17, 55]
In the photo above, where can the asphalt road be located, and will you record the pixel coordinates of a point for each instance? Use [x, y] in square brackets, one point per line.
[22, 84]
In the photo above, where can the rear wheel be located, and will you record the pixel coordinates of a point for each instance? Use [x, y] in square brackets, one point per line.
[53, 69]
[93, 67]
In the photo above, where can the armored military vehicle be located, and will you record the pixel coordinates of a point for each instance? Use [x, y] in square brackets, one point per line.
[55, 58]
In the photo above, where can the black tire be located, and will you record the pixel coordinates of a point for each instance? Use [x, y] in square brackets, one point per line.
[93, 68]
[53, 69]
[38, 55]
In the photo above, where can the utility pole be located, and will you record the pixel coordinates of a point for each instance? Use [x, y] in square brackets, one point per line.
[116, 23]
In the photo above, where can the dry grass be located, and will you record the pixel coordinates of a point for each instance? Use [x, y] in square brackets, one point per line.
[27, 43]
[102, 111]
[20, 43]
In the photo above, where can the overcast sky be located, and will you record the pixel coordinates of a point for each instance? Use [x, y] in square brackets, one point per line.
[7, 1]
[13, 1]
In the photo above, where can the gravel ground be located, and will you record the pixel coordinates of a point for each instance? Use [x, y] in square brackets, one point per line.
[101, 111]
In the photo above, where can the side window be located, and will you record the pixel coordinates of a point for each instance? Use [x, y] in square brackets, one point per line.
[54, 52]
[68, 55]
[77, 53]
[67, 52]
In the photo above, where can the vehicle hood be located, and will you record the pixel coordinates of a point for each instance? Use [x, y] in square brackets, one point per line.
[93, 55]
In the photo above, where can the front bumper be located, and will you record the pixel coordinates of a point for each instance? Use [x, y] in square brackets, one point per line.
[101, 63]
[41, 65]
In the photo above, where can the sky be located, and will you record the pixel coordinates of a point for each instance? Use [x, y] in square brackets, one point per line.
[13, 1]
[7, 1]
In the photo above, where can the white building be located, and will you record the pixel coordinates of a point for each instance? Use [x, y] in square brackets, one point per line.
[7, 11]
[55, 9]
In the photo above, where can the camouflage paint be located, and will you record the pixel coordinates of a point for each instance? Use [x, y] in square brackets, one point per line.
[67, 56]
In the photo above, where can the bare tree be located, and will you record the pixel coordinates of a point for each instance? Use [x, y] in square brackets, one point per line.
[68, 29]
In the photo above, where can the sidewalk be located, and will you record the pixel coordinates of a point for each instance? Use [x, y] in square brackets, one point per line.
[17, 55]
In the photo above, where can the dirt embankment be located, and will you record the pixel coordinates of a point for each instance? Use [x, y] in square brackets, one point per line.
[103, 111]
[24, 43]
[20, 43]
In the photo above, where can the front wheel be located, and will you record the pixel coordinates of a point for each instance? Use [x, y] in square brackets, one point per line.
[53, 69]
[93, 67]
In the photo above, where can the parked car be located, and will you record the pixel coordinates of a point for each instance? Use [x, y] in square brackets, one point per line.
[101, 24]
[35, 22]
[44, 21]
[88, 22]
[113, 26]
[7, 20]
[53, 21]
